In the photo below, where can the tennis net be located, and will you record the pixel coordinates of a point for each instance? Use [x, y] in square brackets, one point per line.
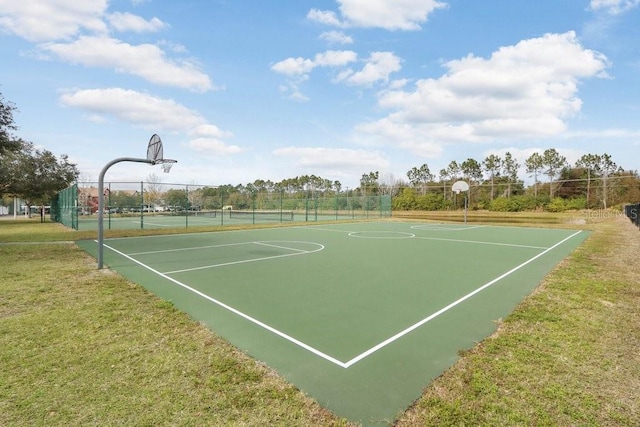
[262, 215]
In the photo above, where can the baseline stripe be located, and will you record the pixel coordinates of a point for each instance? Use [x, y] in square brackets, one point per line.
[450, 306]
[235, 311]
[478, 242]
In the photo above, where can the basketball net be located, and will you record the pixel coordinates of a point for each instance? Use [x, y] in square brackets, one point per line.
[167, 164]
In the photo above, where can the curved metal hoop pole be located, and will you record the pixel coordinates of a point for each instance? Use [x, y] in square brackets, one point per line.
[101, 201]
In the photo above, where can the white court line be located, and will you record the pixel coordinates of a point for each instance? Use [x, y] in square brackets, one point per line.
[283, 247]
[450, 306]
[315, 227]
[244, 261]
[235, 311]
[373, 349]
[155, 224]
[188, 249]
[446, 227]
[480, 242]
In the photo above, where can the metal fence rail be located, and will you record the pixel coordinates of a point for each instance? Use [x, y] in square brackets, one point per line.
[152, 205]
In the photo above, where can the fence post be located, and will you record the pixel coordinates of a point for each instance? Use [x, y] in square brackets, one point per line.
[141, 204]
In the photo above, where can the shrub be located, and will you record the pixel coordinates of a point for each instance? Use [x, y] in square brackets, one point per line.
[556, 205]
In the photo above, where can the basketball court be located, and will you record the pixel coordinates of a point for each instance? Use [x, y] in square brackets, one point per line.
[360, 316]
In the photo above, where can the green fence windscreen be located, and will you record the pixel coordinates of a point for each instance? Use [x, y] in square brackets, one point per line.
[139, 205]
[64, 207]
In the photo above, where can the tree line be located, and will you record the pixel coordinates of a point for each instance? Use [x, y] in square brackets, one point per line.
[594, 181]
[26, 172]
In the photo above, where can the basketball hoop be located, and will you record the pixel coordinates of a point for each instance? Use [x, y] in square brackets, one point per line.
[460, 186]
[155, 155]
[167, 164]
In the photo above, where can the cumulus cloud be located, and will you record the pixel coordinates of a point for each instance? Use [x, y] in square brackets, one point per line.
[525, 90]
[335, 58]
[324, 17]
[301, 66]
[78, 32]
[129, 22]
[294, 66]
[334, 161]
[336, 37]
[613, 7]
[150, 112]
[376, 68]
[37, 20]
[297, 69]
[389, 15]
[146, 60]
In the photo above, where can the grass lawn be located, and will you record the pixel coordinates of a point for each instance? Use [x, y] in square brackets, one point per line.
[80, 346]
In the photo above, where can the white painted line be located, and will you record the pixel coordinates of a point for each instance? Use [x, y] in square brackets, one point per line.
[194, 248]
[479, 242]
[450, 306]
[370, 351]
[281, 247]
[244, 261]
[445, 227]
[319, 228]
[235, 311]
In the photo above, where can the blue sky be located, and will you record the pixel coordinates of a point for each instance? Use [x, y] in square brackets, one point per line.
[255, 89]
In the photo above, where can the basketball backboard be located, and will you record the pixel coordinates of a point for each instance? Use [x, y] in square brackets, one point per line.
[460, 186]
[154, 149]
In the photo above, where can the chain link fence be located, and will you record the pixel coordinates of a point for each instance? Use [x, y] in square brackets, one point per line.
[158, 205]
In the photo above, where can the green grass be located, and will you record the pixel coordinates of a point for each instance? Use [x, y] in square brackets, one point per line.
[568, 355]
[80, 346]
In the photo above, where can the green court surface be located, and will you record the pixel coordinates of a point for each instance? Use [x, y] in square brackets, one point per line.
[360, 316]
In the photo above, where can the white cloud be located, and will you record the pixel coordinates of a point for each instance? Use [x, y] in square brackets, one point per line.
[389, 15]
[335, 58]
[420, 140]
[302, 66]
[209, 131]
[336, 37]
[294, 66]
[334, 161]
[153, 113]
[524, 90]
[83, 24]
[298, 69]
[377, 68]
[613, 7]
[146, 60]
[136, 108]
[129, 22]
[37, 20]
[324, 17]
[212, 146]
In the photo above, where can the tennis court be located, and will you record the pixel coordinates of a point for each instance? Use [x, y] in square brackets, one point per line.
[186, 219]
[361, 316]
